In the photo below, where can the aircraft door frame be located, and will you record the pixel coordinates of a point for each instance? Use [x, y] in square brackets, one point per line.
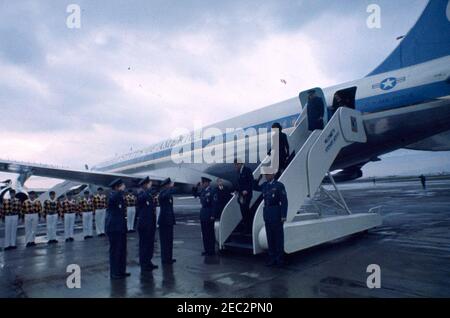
[303, 96]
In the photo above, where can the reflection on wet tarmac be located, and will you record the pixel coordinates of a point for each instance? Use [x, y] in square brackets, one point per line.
[411, 247]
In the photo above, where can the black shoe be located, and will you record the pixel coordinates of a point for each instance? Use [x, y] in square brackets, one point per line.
[67, 239]
[13, 247]
[126, 274]
[204, 253]
[101, 235]
[116, 277]
[71, 239]
[280, 264]
[148, 268]
[7, 248]
[271, 264]
[86, 237]
[29, 244]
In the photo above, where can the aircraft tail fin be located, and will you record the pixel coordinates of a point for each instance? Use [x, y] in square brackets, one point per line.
[429, 39]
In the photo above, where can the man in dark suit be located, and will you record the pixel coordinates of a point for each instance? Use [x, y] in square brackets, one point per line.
[221, 197]
[166, 221]
[245, 191]
[315, 110]
[116, 229]
[283, 148]
[207, 217]
[146, 212]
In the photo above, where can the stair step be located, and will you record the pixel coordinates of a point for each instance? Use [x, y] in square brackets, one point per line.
[306, 217]
[239, 247]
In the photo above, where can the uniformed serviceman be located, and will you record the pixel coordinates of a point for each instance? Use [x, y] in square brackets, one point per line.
[131, 210]
[146, 211]
[275, 211]
[11, 209]
[166, 221]
[100, 211]
[87, 210]
[116, 230]
[207, 217]
[70, 209]
[51, 215]
[31, 209]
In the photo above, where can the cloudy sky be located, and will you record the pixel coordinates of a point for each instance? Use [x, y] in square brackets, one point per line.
[135, 70]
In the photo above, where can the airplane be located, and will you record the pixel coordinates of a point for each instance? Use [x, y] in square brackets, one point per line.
[397, 100]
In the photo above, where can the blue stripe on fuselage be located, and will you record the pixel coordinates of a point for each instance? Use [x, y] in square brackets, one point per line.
[397, 99]
[404, 97]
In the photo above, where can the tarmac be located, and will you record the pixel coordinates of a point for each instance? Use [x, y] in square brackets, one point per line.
[412, 248]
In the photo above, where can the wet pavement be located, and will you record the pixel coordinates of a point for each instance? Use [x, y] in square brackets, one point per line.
[412, 249]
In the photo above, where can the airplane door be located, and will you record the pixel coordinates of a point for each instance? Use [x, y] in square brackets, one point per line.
[315, 93]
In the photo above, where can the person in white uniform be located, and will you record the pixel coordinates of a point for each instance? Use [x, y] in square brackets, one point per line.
[31, 209]
[87, 211]
[99, 202]
[130, 199]
[51, 215]
[70, 208]
[10, 211]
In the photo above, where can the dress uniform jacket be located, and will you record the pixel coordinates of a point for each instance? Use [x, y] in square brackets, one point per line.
[99, 202]
[145, 209]
[50, 207]
[166, 217]
[207, 201]
[116, 213]
[275, 201]
[86, 205]
[11, 207]
[31, 207]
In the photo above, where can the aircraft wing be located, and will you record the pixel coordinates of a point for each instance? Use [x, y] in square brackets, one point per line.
[82, 176]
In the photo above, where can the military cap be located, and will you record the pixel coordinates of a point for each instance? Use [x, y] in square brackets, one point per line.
[166, 182]
[116, 183]
[52, 192]
[205, 179]
[144, 181]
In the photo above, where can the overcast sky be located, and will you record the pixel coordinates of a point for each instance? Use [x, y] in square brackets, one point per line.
[136, 70]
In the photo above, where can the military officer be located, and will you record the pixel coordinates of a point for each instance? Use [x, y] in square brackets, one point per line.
[100, 211]
[146, 211]
[131, 210]
[274, 213]
[207, 217]
[166, 221]
[31, 209]
[116, 230]
[51, 215]
[70, 209]
[11, 209]
[87, 210]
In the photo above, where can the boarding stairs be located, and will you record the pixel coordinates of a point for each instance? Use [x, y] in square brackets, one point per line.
[315, 153]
